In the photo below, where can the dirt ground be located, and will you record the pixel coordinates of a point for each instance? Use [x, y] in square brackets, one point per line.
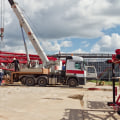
[56, 103]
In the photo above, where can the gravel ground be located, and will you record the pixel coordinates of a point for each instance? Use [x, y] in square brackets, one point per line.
[56, 103]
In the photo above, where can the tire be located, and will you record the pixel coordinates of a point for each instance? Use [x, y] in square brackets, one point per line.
[30, 81]
[42, 81]
[72, 82]
[23, 80]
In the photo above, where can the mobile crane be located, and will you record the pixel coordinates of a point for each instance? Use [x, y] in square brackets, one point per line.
[73, 75]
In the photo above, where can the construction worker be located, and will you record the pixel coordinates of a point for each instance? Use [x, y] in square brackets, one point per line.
[16, 64]
[1, 35]
[1, 74]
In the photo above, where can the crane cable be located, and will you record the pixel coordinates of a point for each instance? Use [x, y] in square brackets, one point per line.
[2, 19]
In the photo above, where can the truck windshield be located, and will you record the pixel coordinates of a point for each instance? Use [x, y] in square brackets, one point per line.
[91, 70]
[79, 65]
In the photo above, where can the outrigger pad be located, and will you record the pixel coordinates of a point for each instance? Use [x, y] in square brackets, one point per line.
[111, 104]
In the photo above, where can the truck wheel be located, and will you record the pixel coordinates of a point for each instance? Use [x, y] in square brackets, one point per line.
[42, 81]
[23, 80]
[30, 81]
[72, 82]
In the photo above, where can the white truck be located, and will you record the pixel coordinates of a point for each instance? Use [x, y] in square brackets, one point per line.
[91, 73]
[74, 73]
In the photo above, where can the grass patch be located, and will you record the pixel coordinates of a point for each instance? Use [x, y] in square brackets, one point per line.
[106, 82]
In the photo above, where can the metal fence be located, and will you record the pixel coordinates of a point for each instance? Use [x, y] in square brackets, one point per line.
[104, 70]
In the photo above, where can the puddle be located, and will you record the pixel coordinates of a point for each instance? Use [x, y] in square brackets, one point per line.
[79, 97]
[54, 98]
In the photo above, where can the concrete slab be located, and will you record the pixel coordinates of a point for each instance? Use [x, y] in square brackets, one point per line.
[55, 103]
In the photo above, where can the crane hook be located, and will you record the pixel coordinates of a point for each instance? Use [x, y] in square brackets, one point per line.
[1, 35]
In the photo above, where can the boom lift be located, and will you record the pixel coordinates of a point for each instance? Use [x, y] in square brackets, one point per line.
[74, 73]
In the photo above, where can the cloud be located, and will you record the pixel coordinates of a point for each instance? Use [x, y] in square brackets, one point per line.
[80, 18]
[79, 51]
[66, 44]
[85, 44]
[5, 47]
[107, 43]
[54, 20]
[51, 46]
[54, 46]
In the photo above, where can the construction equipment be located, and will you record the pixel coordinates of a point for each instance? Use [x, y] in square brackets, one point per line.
[91, 73]
[51, 73]
[6, 58]
[115, 60]
[29, 32]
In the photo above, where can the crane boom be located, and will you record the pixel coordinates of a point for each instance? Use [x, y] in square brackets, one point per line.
[29, 32]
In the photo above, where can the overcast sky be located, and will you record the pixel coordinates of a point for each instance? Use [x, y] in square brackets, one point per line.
[78, 26]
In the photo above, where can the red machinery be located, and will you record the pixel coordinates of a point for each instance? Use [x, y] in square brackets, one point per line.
[115, 60]
[6, 59]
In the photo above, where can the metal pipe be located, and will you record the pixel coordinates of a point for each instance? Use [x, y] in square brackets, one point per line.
[113, 80]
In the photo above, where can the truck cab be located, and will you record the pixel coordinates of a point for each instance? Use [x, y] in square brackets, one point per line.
[91, 73]
[75, 71]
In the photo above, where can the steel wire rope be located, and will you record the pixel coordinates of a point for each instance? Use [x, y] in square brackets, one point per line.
[32, 25]
[2, 21]
[34, 29]
[1, 11]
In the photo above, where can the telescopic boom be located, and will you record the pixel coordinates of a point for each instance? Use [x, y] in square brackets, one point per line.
[29, 32]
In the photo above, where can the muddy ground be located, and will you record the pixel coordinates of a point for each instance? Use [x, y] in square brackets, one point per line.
[56, 103]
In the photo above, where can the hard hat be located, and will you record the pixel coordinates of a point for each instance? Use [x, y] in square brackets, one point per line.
[14, 58]
[1, 70]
